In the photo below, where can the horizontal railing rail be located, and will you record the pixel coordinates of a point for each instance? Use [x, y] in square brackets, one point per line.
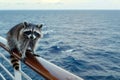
[6, 70]
[3, 78]
[43, 67]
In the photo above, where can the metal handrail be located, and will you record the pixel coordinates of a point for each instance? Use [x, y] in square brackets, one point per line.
[20, 71]
[6, 70]
[32, 62]
[2, 76]
[48, 70]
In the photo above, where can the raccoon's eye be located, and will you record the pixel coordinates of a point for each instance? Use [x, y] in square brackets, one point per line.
[37, 34]
[28, 32]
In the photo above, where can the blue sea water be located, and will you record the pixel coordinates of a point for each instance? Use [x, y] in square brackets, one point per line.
[84, 42]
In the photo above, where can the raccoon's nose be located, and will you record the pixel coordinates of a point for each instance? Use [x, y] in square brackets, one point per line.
[31, 37]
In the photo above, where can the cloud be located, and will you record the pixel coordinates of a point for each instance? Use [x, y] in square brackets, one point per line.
[30, 4]
[60, 4]
[50, 1]
[29, 1]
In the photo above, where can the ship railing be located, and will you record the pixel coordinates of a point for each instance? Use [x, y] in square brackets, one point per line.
[46, 69]
[17, 73]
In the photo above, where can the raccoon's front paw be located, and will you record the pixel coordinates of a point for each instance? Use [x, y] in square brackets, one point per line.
[36, 55]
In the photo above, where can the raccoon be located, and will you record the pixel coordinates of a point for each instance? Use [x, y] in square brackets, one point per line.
[23, 37]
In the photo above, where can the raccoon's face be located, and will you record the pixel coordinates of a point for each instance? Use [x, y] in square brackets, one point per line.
[32, 31]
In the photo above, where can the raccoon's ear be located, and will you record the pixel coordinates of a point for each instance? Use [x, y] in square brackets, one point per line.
[25, 24]
[39, 26]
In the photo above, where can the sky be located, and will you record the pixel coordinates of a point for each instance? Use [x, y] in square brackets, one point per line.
[59, 4]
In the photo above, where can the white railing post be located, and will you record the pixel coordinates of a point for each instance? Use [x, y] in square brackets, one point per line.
[17, 74]
[7, 71]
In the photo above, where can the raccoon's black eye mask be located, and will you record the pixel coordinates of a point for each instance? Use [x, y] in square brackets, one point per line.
[28, 32]
[34, 33]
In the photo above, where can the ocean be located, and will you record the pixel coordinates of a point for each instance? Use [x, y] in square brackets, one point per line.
[84, 42]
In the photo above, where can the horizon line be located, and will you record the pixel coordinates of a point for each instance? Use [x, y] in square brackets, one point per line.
[59, 9]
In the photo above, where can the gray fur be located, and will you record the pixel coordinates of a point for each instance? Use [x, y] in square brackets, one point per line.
[18, 39]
